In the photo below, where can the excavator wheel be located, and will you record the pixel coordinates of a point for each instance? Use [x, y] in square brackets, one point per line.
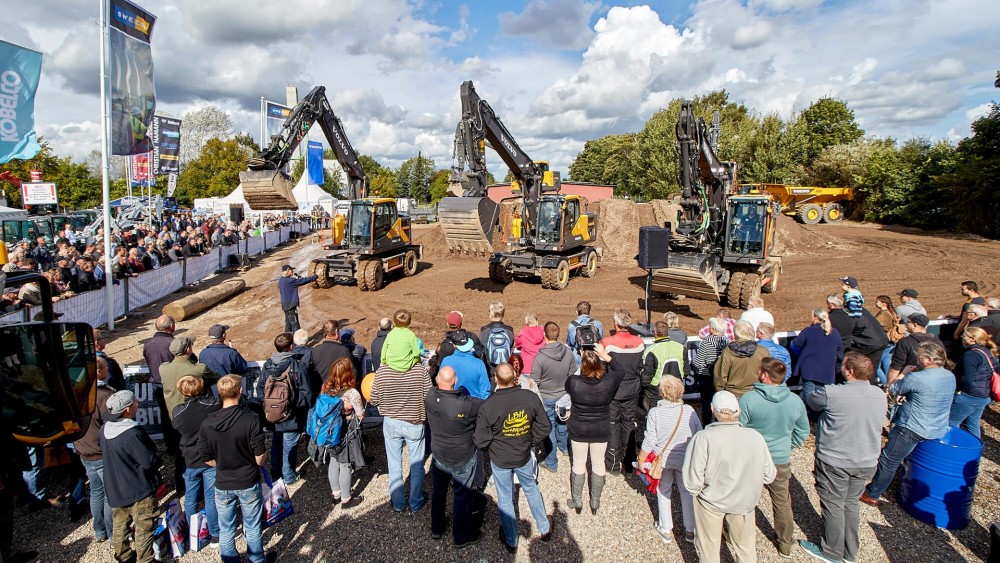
[548, 278]
[361, 275]
[750, 289]
[409, 263]
[375, 275]
[560, 277]
[810, 214]
[503, 272]
[833, 213]
[590, 270]
[319, 270]
[734, 288]
[772, 285]
[493, 273]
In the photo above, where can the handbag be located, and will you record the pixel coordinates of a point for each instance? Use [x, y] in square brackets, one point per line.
[994, 379]
[651, 475]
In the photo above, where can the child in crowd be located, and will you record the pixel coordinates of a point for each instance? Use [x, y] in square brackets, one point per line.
[853, 300]
[401, 349]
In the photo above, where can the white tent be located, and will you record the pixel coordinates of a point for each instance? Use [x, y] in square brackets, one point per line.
[309, 195]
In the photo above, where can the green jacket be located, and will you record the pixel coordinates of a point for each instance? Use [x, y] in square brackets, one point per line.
[401, 349]
[779, 416]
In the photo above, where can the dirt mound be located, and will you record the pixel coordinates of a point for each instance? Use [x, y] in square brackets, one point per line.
[618, 222]
[795, 238]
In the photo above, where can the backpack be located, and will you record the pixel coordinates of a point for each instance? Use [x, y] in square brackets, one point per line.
[280, 393]
[325, 423]
[586, 335]
[498, 346]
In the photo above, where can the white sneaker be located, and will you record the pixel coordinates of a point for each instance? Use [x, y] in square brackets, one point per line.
[689, 537]
[667, 535]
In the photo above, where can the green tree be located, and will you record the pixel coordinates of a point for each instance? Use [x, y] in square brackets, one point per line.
[216, 170]
[384, 183]
[439, 185]
[829, 122]
[414, 178]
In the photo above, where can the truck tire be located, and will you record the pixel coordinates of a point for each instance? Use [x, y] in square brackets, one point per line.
[734, 288]
[375, 275]
[590, 270]
[361, 275]
[494, 277]
[833, 213]
[319, 270]
[772, 285]
[810, 214]
[504, 273]
[750, 289]
[548, 277]
[409, 263]
[560, 276]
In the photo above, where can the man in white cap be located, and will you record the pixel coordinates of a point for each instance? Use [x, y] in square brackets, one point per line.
[724, 469]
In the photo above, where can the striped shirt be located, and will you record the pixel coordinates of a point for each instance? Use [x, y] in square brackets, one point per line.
[400, 395]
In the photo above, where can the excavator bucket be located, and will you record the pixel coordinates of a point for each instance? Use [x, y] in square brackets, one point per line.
[469, 223]
[689, 274]
[268, 189]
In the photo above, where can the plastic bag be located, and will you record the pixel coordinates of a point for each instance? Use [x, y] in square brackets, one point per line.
[198, 535]
[277, 502]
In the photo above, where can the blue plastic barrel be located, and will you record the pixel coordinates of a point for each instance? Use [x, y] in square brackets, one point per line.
[939, 479]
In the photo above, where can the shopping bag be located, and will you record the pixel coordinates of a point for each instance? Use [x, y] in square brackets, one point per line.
[176, 526]
[277, 503]
[161, 543]
[198, 536]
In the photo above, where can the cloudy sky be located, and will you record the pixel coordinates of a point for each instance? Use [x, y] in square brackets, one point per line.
[558, 72]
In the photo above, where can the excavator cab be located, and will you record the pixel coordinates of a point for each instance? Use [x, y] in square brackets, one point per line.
[375, 225]
[746, 231]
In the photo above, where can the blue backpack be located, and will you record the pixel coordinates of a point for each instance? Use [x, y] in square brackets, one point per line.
[498, 346]
[325, 424]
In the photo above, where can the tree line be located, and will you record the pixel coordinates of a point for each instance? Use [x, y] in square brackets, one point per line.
[916, 182]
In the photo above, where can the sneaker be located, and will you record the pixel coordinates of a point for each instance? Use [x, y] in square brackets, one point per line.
[689, 536]
[666, 535]
[547, 535]
[213, 543]
[814, 550]
[868, 500]
[549, 469]
[437, 535]
[471, 541]
[512, 549]
[352, 503]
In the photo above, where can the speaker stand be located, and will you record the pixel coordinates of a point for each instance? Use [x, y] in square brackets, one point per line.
[646, 329]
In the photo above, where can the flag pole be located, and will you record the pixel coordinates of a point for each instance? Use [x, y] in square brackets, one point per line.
[263, 127]
[105, 181]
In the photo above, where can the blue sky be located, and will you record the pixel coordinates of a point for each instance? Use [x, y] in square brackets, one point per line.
[558, 72]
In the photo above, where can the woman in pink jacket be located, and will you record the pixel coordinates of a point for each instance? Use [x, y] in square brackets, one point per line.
[529, 341]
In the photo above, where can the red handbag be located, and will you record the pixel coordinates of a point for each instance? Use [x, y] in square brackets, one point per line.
[652, 467]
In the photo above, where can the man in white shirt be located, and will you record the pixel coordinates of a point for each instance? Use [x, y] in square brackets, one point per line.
[756, 314]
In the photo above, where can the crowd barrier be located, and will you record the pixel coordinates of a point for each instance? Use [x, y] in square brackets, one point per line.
[132, 293]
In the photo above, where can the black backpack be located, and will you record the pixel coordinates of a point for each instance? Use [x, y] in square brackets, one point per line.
[586, 335]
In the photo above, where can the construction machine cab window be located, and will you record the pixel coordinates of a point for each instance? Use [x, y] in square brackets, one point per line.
[550, 221]
[385, 217]
[361, 223]
[746, 227]
[572, 216]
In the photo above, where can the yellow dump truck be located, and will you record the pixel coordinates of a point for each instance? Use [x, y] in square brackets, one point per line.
[807, 204]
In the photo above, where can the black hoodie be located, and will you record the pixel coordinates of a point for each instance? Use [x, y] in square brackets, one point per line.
[509, 424]
[233, 438]
[130, 461]
[187, 420]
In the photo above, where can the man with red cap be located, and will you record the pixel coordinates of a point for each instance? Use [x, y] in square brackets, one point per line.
[455, 336]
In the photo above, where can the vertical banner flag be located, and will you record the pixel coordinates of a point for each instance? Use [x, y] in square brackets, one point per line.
[133, 98]
[314, 158]
[139, 170]
[171, 184]
[166, 138]
[20, 69]
[274, 117]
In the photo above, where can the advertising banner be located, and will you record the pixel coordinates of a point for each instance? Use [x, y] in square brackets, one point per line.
[274, 117]
[138, 165]
[39, 193]
[20, 69]
[314, 157]
[166, 144]
[133, 97]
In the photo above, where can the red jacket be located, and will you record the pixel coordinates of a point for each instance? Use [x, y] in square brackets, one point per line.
[529, 341]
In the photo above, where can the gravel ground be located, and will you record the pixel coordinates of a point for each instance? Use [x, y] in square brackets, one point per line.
[622, 530]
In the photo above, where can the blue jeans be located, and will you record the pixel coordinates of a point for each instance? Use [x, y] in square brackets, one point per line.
[396, 433]
[966, 411]
[808, 388]
[470, 504]
[901, 443]
[883, 366]
[558, 436]
[36, 491]
[284, 454]
[503, 479]
[99, 507]
[251, 504]
[201, 479]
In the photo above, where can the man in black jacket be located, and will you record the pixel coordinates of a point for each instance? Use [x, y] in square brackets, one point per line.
[285, 439]
[232, 441]
[384, 326]
[904, 357]
[869, 339]
[130, 467]
[187, 419]
[493, 329]
[510, 425]
[328, 351]
[156, 350]
[452, 418]
[840, 321]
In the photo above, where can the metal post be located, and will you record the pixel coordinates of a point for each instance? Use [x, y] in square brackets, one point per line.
[105, 181]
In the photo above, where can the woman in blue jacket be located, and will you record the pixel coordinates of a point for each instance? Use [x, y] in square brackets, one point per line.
[818, 350]
[973, 395]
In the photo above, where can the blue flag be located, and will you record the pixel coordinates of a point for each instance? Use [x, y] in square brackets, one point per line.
[20, 69]
[314, 159]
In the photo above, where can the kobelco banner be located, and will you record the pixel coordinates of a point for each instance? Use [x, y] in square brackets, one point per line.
[166, 144]
[133, 98]
[20, 69]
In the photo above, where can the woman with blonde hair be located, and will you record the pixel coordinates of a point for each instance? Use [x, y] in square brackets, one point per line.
[817, 349]
[669, 427]
[591, 393]
[979, 362]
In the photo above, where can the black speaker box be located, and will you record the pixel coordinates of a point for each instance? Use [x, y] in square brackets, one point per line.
[236, 214]
[653, 247]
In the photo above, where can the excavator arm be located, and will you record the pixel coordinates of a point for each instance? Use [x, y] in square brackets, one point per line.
[265, 184]
[705, 181]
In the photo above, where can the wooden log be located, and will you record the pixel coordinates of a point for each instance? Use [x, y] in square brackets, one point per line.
[191, 305]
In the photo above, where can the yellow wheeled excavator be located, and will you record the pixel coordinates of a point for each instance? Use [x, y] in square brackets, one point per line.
[550, 235]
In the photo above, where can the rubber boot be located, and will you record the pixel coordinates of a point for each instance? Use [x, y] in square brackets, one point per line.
[596, 488]
[576, 483]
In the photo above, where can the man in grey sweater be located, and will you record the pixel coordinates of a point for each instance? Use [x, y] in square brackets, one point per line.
[725, 468]
[848, 441]
[553, 365]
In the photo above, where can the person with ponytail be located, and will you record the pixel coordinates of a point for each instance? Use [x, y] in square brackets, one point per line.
[978, 364]
[817, 350]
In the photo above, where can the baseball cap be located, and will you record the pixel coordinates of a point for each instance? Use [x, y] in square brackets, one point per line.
[120, 401]
[908, 293]
[848, 280]
[180, 344]
[725, 401]
[216, 331]
[454, 319]
[465, 346]
[346, 333]
[918, 319]
[287, 268]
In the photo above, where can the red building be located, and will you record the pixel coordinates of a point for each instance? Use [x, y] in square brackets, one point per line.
[593, 192]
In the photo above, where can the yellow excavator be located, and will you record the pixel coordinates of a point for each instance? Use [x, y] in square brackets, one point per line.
[550, 234]
[721, 246]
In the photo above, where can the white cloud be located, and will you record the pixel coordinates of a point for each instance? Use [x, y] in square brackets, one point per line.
[978, 111]
[862, 70]
[564, 24]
